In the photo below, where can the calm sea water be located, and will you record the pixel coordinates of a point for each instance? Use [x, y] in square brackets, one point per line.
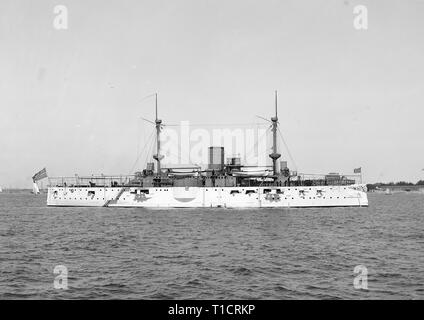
[212, 253]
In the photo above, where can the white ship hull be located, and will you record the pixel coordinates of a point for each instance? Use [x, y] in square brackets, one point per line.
[207, 197]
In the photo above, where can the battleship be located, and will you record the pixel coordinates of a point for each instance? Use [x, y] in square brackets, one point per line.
[222, 184]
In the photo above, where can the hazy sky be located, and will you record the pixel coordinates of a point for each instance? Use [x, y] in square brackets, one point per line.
[70, 99]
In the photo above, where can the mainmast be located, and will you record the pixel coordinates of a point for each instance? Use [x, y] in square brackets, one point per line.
[158, 157]
[274, 155]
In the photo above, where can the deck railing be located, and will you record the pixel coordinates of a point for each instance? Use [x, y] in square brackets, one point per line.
[91, 181]
[326, 179]
[301, 179]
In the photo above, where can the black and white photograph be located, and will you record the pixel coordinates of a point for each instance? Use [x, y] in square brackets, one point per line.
[211, 154]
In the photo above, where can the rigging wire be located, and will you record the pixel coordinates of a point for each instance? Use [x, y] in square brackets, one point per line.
[256, 143]
[219, 125]
[151, 144]
[141, 152]
[188, 159]
[148, 96]
[151, 151]
[141, 132]
[287, 148]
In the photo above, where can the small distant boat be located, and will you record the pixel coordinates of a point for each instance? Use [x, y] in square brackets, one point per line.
[1, 190]
[388, 192]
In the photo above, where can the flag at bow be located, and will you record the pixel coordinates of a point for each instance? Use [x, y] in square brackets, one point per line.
[40, 175]
[357, 170]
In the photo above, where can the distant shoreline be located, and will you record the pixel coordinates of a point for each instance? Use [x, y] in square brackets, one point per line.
[16, 190]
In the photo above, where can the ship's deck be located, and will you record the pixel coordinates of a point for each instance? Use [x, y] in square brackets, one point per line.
[202, 181]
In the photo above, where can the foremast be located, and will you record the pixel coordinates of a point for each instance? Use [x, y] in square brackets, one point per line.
[158, 157]
[274, 155]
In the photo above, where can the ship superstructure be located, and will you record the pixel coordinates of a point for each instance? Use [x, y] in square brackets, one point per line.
[227, 184]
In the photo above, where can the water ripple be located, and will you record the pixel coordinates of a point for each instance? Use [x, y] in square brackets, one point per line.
[211, 253]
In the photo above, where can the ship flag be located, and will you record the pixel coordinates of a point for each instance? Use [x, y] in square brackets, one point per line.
[357, 170]
[40, 175]
[35, 189]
